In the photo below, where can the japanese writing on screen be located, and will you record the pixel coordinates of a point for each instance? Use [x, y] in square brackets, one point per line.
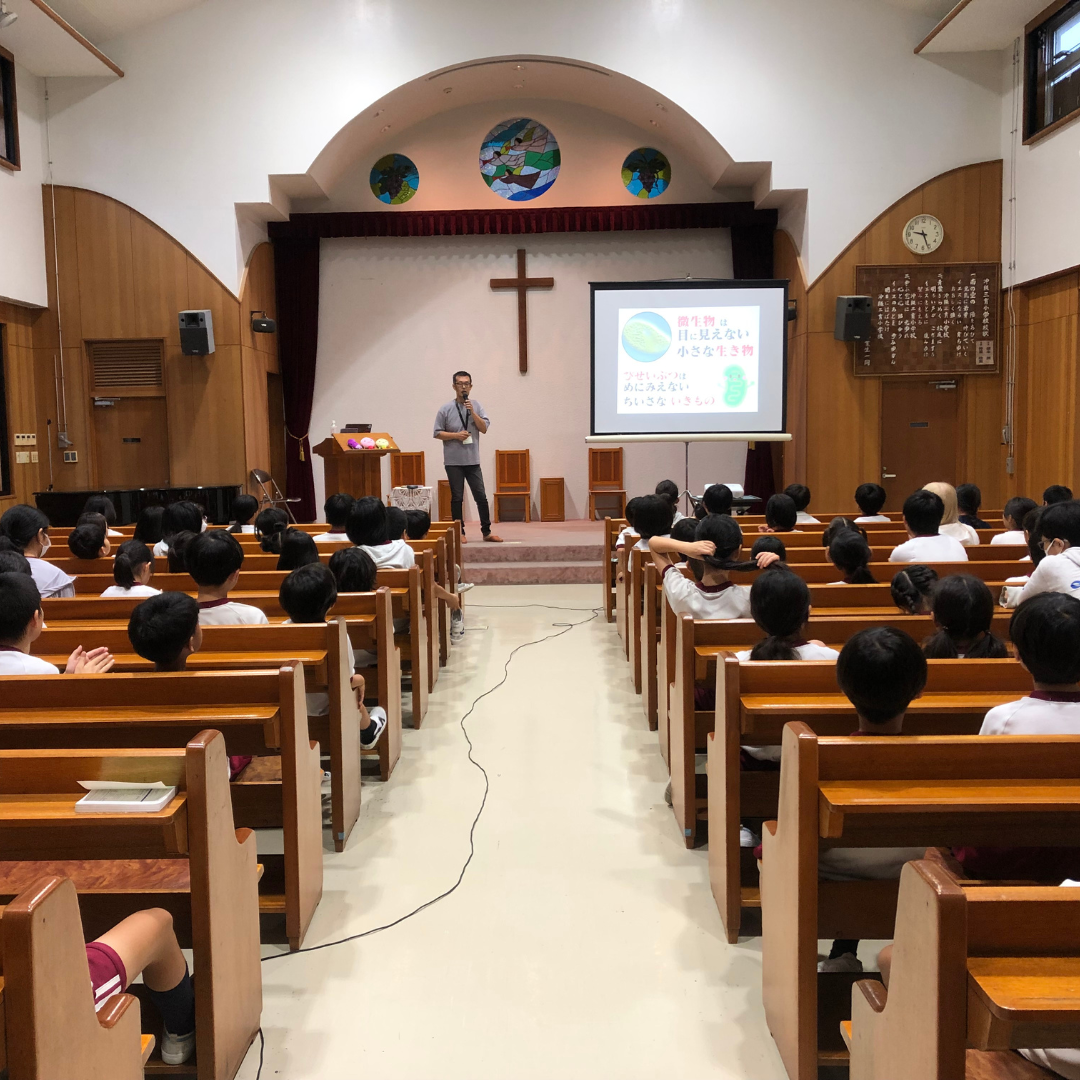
[941, 319]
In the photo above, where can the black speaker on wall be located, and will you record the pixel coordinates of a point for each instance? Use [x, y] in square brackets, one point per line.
[852, 318]
[196, 333]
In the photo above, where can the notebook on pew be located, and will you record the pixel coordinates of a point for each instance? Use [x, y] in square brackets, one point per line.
[123, 797]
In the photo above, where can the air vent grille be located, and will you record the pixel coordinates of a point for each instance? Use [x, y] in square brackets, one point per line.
[126, 363]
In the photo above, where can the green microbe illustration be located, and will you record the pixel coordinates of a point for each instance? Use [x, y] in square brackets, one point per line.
[737, 386]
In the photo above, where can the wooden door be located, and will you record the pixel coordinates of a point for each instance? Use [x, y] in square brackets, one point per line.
[131, 442]
[918, 436]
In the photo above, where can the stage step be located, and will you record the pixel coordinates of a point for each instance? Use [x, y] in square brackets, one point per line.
[550, 572]
[479, 552]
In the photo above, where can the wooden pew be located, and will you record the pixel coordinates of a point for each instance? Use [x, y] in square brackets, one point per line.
[699, 645]
[976, 970]
[757, 699]
[187, 858]
[257, 711]
[46, 988]
[326, 653]
[898, 792]
[612, 528]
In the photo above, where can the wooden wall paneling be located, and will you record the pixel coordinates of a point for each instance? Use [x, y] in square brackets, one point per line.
[217, 424]
[45, 329]
[788, 265]
[981, 417]
[205, 291]
[179, 393]
[990, 188]
[160, 268]
[256, 412]
[106, 276]
[257, 294]
[22, 415]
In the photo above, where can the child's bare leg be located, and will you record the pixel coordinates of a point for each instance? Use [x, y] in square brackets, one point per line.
[453, 599]
[358, 684]
[146, 943]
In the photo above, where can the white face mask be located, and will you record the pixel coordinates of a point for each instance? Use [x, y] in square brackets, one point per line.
[45, 542]
[1055, 547]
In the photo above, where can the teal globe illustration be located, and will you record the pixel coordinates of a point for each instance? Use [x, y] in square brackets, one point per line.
[646, 336]
[394, 179]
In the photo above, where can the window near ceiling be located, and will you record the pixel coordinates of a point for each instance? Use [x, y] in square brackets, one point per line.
[1052, 69]
[9, 113]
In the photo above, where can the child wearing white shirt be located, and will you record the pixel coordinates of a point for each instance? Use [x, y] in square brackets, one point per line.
[244, 508]
[653, 516]
[669, 490]
[368, 528]
[923, 511]
[21, 623]
[951, 525]
[213, 559]
[336, 510]
[1057, 533]
[133, 570]
[26, 529]
[1016, 510]
[870, 498]
[799, 494]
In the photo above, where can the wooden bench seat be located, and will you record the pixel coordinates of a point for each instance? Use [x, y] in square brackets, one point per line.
[268, 713]
[870, 791]
[216, 914]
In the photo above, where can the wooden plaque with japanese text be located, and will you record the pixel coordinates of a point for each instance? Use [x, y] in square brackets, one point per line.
[930, 319]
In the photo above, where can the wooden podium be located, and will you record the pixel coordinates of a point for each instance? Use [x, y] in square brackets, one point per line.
[355, 472]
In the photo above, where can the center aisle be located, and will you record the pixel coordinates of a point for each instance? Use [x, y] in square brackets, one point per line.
[583, 941]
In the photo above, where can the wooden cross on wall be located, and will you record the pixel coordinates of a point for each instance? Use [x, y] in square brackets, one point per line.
[522, 283]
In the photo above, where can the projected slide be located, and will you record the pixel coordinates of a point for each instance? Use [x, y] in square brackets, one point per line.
[688, 357]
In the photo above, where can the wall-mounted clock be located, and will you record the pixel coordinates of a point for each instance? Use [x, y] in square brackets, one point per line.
[923, 234]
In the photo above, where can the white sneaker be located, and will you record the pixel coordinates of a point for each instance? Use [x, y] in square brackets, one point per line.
[748, 838]
[372, 733]
[845, 962]
[457, 625]
[176, 1049]
[667, 793]
[465, 586]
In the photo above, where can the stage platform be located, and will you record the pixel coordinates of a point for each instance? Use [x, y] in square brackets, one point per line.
[535, 553]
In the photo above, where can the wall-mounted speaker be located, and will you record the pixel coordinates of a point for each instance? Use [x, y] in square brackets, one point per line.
[196, 333]
[852, 318]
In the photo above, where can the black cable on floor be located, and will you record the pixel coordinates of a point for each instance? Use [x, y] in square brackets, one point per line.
[565, 628]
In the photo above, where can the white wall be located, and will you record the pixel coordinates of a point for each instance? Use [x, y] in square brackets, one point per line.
[397, 317]
[218, 97]
[22, 234]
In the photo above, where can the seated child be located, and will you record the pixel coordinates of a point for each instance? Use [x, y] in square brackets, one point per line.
[799, 494]
[850, 554]
[145, 944]
[715, 552]
[336, 511]
[1014, 586]
[179, 517]
[367, 528]
[913, 589]
[1056, 493]
[839, 525]
[103, 505]
[14, 562]
[951, 525]
[923, 511]
[307, 595]
[968, 500]
[149, 525]
[780, 605]
[396, 521]
[717, 499]
[1016, 510]
[21, 623]
[214, 559]
[26, 529]
[629, 530]
[165, 629]
[963, 611]
[870, 498]
[133, 570]
[244, 508]
[353, 569]
[417, 524]
[269, 525]
[178, 550]
[763, 543]
[881, 670]
[780, 515]
[297, 549]
[653, 516]
[88, 541]
[685, 529]
[668, 489]
[1059, 537]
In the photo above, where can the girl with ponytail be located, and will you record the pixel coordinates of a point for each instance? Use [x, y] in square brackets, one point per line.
[133, 570]
[780, 605]
[963, 612]
[913, 589]
[850, 554]
[711, 557]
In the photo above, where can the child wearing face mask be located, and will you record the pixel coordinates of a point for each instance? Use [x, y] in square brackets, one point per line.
[26, 529]
[1059, 528]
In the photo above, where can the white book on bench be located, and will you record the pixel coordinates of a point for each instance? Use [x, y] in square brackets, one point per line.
[123, 797]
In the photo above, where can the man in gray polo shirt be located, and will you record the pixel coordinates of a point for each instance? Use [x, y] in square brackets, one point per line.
[458, 426]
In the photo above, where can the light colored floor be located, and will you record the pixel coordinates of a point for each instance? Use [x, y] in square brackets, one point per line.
[544, 533]
[583, 941]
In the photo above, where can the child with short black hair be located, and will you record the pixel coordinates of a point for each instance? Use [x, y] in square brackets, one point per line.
[183, 516]
[269, 525]
[21, 623]
[14, 562]
[881, 670]
[923, 511]
[297, 549]
[768, 542]
[244, 508]
[396, 521]
[166, 630]
[1057, 493]
[685, 529]
[353, 569]
[968, 501]
[1016, 510]
[88, 542]
[653, 516]
[717, 499]
[103, 505]
[963, 609]
[149, 524]
[850, 554]
[178, 551]
[668, 489]
[870, 498]
[336, 510]
[780, 514]
[214, 559]
[417, 524]
[1059, 571]
[799, 494]
[913, 589]
[133, 570]
[26, 529]
[628, 512]
[368, 528]
[307, 595]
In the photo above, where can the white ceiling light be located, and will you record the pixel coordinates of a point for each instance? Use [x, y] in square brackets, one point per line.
[6, 17]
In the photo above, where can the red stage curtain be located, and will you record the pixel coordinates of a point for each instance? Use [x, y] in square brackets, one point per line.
[296, 280]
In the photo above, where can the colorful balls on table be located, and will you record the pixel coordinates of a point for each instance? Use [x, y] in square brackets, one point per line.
[367, 443]
[382, 444]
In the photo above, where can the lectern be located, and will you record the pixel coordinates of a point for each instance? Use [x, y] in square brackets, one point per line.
[355, 472]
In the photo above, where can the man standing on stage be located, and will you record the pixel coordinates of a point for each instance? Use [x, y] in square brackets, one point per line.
[459, 425]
